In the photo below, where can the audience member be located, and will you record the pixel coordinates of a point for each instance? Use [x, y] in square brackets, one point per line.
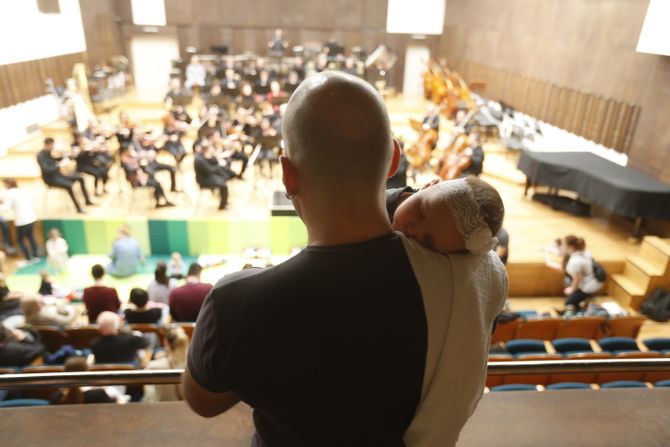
[51, 166]
[17, 348]
[10, 302]
[99, 298]
[113, 346]
[176, 350]
[141, 313]
[80, 395]
[186, 301]
[20, 202]
[57, 249]
[126, 254]
[159, 288]
[37, 313]
[322, 307]
[176, 266]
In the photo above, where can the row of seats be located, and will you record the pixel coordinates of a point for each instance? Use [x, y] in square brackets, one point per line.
[82, 337]
[573, 345]
[579, 327]
[582, 386]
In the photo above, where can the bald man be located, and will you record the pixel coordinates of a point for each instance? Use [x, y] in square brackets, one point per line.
[364, 338]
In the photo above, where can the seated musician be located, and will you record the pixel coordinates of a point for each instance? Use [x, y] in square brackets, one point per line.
[137, 177]
[173, 131]
[216, 97]
[350, 66]
[180, 114]
[124, 134]
[50, 166]
[269, 141]
[209, 172]
[262, 86]
[231, 83]
[212, 123]
[196, 74]
[276, 97]
[277, 44]
[431, 120]
[292, 82]
[93, 158]
[247, 103]
[147, 153]
[227, 148]
[175, 94]
[475, 152]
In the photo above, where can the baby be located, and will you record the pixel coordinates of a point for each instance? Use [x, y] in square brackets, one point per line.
[452, 216]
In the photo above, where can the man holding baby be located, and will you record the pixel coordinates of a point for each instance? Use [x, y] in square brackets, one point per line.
[366, 337]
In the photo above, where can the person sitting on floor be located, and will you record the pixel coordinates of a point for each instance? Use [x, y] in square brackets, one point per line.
[126, 254]
[113, 346]
[57, 249]
[186, 301]
[141, 313]
[99, 298]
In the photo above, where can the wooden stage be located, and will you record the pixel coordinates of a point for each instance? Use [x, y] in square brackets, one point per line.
[532, 226]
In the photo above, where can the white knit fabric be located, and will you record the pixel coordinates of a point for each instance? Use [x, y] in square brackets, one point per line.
[460, 199]
[462, 295]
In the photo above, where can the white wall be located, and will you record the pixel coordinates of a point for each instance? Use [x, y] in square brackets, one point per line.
[16, 119]
[27, 34]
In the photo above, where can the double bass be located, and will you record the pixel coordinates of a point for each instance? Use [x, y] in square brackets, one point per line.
[419, 154]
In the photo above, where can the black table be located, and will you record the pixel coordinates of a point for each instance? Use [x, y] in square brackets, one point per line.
[622, 190]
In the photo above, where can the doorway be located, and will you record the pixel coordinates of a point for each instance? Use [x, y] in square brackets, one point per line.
[416, 64]
[152, 58]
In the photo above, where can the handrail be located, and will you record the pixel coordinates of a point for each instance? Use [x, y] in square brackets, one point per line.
[172, 376]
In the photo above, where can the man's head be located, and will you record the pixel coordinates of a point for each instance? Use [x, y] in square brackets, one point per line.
[48, 144]
[97, 272]
[10, 183]
[108, 323]
[337, 139]
[138, 297]
[194, 270]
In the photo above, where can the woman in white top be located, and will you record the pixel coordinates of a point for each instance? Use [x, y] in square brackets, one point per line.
[159, 288]
[56, 251]
[19, 201]
[176, 350]
[579, 268]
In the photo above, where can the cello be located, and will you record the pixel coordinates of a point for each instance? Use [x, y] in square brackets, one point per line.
[455, 160]
[420, 153]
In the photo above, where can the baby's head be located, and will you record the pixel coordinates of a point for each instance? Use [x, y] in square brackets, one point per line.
[452, 216]
[176, 257]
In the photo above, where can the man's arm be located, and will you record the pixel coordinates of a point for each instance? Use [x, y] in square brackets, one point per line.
[203, 402]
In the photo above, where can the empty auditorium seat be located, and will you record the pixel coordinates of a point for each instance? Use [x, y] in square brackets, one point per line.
[623, 384]
[628, 376]
[569, 386]
[504, 331]
[514, 387]
[624, 326]
[612, 344]
[540, 329]
[580, 327]
[537, 379]
[81, 337]
[568, 345]
[663, 384]
[525, 346]
[52, 338]
[657, 344]
[584, 377]
[23, 403]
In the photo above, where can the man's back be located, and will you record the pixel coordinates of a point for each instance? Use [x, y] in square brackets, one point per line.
[126, 255]
[185, 301]
[117, 348]
[99, 299]
[329, 347]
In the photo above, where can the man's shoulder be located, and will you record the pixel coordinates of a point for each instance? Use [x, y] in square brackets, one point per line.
[233, 284]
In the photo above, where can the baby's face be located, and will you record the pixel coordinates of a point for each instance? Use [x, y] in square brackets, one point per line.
[425, 218]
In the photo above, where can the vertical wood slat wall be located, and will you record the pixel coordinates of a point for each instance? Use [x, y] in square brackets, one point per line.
[23, 81]
[603, 120]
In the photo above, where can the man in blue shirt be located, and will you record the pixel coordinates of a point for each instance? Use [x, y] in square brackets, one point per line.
[126, 254]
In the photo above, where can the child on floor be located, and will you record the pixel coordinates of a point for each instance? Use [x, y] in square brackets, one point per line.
[57, 249]
[176, 266]
[453, 216]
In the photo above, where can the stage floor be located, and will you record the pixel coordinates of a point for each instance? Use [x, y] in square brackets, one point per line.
[532, 226]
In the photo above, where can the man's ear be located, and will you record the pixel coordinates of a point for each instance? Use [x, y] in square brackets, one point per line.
[289, 176]
[395, 161]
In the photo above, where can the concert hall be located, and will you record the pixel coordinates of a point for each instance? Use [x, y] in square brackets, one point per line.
[171, 165]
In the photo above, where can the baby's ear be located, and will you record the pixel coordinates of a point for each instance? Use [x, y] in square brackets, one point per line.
[395, 161]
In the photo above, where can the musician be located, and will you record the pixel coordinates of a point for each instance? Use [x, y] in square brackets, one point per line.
[276, 96]
[476, 154]
[231, 83]
[431, 120]
[137, 177]
[292, 82]
[332, 48]
[51, 165]
[209, 173]
[269, 142]
[93, 158]
[173, 131]
[277, 45]
[147, 153]
[175, 94]
[262, 86]
[181, 115]
[211, 124]
[196, 74]
[350, 66]
[247, 101]
[299, 67]
[216, 97]
[124, 134]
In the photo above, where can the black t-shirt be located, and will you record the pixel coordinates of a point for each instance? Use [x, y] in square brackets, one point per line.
[151, 316]
[20, 354]
[328, 347]
[121, 348]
